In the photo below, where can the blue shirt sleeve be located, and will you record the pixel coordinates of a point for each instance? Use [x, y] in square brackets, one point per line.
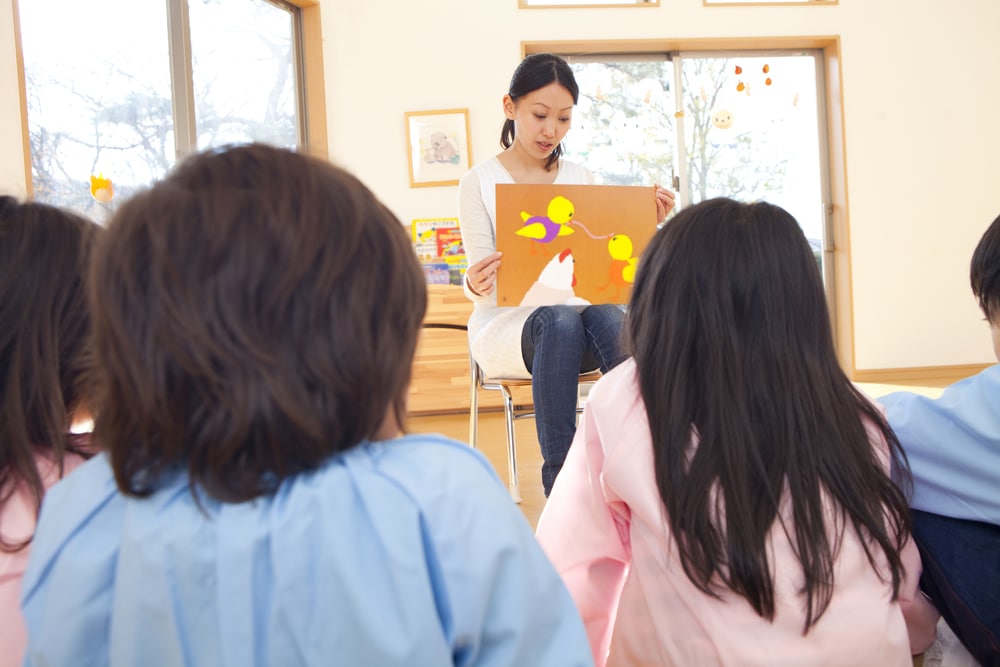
[953, 445]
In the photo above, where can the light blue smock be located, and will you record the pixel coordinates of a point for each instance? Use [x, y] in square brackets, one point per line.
[953, 445]
[404, 552]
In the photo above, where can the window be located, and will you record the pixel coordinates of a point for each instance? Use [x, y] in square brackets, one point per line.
[709, 3]
[744, 125]
[124, 90]
[528, 4]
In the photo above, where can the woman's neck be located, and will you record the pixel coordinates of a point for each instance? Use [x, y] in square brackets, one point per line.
[526, 169]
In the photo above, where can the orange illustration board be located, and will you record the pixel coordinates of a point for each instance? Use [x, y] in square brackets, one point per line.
[571, 244]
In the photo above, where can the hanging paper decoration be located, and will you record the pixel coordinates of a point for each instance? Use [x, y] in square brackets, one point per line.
[722, 133]
[739, 70]
[101, 188]
[740, 87]
[767, 81]
[767, 68]
[722, 119]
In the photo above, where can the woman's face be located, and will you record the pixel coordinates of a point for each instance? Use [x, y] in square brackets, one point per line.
[541, 119]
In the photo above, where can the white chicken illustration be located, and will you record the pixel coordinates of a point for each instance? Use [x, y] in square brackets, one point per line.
[555, 284]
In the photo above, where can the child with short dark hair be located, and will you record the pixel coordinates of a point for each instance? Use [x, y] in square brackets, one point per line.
[256, 315]
[45, 356]
[727, 499]
[953, 445]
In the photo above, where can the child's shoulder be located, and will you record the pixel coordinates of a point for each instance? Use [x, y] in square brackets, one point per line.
[621, 383]
[440, 479]
[424, 460]
[84, 487]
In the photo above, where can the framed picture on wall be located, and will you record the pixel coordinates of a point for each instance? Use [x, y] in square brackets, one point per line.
[438, 150]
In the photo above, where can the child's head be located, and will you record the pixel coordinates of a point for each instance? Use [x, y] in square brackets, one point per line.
[984, 274]
[744, 281]
[254, 313]
[45, 333]
[729, 329]
[536, 72]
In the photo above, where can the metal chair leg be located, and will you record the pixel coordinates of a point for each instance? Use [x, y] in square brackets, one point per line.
[473, 402]
[508, 408]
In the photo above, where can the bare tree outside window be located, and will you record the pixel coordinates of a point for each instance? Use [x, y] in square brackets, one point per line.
[746, 127]
[100, 93]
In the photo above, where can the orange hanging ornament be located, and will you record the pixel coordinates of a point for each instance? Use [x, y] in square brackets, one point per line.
[101, 188]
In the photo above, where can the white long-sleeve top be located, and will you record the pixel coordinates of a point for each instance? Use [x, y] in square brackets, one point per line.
[495, 331]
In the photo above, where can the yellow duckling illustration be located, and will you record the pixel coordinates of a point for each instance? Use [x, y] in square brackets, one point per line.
[545, 228]
[621, 270]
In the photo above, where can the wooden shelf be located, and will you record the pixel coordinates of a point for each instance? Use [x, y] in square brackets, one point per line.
[440, 378]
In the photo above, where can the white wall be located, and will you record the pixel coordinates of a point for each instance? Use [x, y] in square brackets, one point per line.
[922, 140]
[11, 149]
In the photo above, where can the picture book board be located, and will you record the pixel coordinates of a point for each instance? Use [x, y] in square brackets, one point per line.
[571, 244]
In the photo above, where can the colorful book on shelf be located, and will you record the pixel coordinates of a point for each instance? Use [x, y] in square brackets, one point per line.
[438, 244]
[571, 244]
[449, 242]
[425, 229]
[437, 273]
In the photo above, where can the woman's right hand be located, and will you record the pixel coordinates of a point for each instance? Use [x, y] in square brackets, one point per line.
[482, 276]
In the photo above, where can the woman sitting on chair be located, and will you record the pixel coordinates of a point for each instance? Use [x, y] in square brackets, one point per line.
[550, 344]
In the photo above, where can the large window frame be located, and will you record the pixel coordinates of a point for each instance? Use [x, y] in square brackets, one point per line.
[837, 224]
[307, 62]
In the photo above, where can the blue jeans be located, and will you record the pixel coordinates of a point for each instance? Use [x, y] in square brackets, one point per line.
[961, 576]
[558, 343]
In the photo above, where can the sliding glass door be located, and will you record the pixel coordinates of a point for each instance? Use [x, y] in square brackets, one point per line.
[746, 125]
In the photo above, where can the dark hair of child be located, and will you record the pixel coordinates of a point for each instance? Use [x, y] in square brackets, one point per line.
[254, 313]
[45, 352]
[729, 327]
[984, 272]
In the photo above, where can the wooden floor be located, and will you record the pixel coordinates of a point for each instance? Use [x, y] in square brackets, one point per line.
[492, 440]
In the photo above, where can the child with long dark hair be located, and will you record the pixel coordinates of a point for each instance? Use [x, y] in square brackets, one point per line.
[727, 500]
[255, 319]
[45, 357]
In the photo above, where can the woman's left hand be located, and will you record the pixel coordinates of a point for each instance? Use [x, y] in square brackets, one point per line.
[664, 203]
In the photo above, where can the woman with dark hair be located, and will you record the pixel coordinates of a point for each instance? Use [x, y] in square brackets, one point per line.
[551, 345]
[255, 318]
[44, 366]
[728, 500]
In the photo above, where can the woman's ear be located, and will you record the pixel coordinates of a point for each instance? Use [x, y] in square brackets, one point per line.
[508, 107]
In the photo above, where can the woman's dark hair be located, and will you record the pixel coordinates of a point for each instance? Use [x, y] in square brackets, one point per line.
[729, 328]
[254, 313]
[45, 347]
[537, 71]
[984, 272]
